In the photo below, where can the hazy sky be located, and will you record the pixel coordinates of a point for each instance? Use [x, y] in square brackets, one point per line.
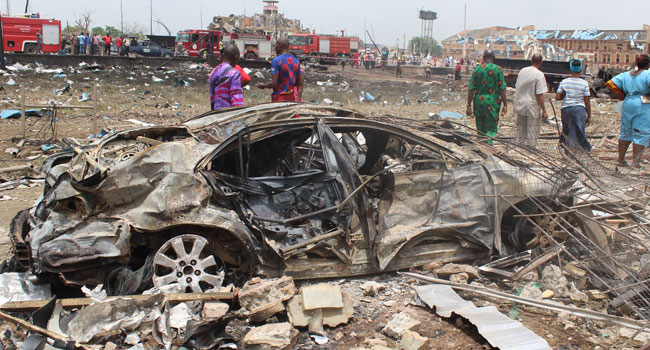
[388, 20]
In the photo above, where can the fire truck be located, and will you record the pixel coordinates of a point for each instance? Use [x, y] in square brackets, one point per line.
[19, 34]
[198, 43]
[322, 48]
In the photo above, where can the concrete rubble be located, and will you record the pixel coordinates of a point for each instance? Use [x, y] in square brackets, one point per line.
[399, 324]
[274, 336]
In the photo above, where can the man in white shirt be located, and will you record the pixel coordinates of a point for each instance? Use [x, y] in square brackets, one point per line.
[529, 102]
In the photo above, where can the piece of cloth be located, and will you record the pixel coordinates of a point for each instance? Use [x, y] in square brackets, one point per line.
[283, 98]
[576, 89]
[487, 80]
[574, 121]
[530, 82]
[527, 131]
[225, 87]
[287, 67]
[245, 78]
[635, 115]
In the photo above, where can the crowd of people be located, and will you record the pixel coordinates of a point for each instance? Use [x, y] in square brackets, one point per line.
[487, 101]
[85, 43]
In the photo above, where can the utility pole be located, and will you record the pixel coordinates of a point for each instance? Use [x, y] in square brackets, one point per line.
[151, 17]
[8, 8]
[121, 18]
[201, 16]
[26, 6]
[465, 33]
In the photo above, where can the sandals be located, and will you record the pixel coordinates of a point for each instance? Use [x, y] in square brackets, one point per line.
[623, 164]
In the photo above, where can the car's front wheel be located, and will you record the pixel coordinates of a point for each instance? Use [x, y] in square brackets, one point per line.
[167, 55]
[187, 261]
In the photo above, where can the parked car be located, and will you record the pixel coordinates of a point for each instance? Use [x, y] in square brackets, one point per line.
[150, 49]
[257, 191]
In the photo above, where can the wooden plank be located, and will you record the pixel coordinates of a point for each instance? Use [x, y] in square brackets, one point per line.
[70, 303]
[548, 255]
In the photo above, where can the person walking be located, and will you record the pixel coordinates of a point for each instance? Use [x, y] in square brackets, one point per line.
[355, 59]
[286, 76]
[39, 41]
[225, 81]
[487, 92]
[633, 88]
[343, 61]
[529, 102]
[576, 108]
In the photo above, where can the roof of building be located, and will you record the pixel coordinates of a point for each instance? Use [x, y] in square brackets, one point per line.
[497, 34]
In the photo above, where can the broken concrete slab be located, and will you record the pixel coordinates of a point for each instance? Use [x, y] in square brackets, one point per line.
[372, 288]
[299, 317]
[321, 296]
[638, 340]
[399, 324]
[274, 336]
[266, 311]
[553, 279]
[256, 293]
[451, 269]
[214, 310]
[413, 341]
[531, 291]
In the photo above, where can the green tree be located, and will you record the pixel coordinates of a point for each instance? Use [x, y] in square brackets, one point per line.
[99, 31]
[112, 31]
[426, 45]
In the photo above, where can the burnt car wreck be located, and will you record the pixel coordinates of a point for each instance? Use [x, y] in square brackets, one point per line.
[285, 189]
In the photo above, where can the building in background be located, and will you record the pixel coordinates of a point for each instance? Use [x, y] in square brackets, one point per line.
[599, 48]
[269, 22]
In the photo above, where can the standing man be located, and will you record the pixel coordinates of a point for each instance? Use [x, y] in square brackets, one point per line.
[286, 76]
[529, 102]
[118, 43]
[576, 108]
[96, 44]
[487, 90]
[457, 71]
[225, 81]
[107, 44]
[343, 61]
[82, 43]
[89, 43]
[355, 59]
[39, 41]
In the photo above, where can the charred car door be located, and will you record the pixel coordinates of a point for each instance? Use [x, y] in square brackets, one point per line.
[292, 183]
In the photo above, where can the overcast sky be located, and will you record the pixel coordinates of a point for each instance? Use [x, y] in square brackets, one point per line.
[388, 20]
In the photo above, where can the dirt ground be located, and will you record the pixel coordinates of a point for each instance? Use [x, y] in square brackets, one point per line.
[136, 93]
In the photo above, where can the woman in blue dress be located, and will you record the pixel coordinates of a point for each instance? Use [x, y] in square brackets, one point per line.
[635, 116]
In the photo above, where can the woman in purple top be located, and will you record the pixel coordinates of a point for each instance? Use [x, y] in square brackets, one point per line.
[225, 81]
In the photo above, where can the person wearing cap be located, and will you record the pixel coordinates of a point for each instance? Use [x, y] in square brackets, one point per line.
[576, 108]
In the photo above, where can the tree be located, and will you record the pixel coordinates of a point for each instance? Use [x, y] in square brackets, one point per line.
[99, 31]
[83, 21]
[112, 31]
[426, 45]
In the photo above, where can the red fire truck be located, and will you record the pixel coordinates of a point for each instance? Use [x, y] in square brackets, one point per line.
[197, 43]
[19, 34]
[323, 48]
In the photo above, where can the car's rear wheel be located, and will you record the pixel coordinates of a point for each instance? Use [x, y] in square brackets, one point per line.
[167, 55]
[250, 56]
[187, 261]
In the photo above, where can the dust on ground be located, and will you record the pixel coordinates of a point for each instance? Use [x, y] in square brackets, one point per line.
[170, 96]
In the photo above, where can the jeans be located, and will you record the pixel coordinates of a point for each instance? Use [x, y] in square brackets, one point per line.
[574, 120]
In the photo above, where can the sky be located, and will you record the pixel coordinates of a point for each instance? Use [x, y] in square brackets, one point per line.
[387, 21]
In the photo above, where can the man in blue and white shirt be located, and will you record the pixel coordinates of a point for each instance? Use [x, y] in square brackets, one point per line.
[576, 108]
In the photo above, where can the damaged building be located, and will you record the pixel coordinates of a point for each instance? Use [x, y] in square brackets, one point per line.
[599, 48]
[269, 22]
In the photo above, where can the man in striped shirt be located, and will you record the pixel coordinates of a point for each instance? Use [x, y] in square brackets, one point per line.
[225, 81]
[576, 108]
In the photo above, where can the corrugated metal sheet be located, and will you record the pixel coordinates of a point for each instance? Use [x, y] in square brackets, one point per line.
[498, 329]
